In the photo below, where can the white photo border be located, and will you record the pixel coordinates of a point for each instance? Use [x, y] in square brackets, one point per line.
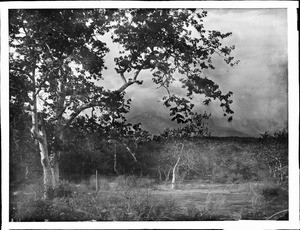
[293, 113]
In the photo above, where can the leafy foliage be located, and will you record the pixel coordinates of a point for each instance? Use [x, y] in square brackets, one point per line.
[168, 42]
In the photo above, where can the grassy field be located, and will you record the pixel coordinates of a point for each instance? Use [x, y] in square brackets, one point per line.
[140, 199]
[227, 201]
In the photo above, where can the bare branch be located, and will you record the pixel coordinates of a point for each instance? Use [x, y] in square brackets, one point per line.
[125, 86]
[132, 153]
[123, 77]
[130, 82]
[166, 89]
[136, 74]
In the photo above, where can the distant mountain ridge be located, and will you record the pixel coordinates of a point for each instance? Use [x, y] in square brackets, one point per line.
[153, 123]
[156, 124]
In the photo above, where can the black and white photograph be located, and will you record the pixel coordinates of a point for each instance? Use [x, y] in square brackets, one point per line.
[149, 114]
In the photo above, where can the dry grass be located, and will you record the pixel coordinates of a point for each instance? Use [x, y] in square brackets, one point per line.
[139, 199]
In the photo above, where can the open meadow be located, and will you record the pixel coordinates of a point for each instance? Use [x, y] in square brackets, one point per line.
[193, 200]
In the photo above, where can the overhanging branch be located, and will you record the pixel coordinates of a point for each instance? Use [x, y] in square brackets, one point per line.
[82, 108]
[129, 82]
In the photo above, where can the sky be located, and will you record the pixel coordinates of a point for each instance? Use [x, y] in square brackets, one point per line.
[258, 82]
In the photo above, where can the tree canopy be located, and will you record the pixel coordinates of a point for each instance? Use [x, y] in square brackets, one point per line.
[59, 51]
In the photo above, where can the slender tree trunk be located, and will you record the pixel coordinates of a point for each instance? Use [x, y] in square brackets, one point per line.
[115, 160]
[96, 181]
[174, 185]
[168, 174]
[159, 174]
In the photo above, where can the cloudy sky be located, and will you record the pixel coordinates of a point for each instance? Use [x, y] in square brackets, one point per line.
[259, 82]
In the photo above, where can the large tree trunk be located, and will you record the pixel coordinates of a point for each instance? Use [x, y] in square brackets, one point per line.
[48, 179]
[54, 169]
[58, 147]
[174, 176]
[39, 133]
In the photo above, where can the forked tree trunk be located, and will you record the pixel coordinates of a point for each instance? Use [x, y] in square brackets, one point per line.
[159, 174]
[49, 163]
[168, 174]
[174, 176]
[39, 133]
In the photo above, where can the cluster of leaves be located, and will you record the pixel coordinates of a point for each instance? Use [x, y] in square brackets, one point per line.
[197, 127]
[281, 135]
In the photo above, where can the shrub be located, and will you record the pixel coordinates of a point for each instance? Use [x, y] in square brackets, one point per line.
[32, 210]
[271, 190]
[120, 181]
[145, 182]
[133, 182]
[63, 189]
[103, 183]
[221, 177]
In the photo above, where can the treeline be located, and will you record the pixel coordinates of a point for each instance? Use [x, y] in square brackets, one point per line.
[88, 148]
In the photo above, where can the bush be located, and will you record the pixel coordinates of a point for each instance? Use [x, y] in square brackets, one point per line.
[221, 177]
[103, 183]
[63, 189]
[120, 181]
[269, 191]
[31, 210]
[145, 182]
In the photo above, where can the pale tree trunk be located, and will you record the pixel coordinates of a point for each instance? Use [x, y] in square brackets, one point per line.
[41, 136]
[48, 179]
[56, 153]
[59, 132]
[168, 174]
[54, 169]
[39, 133]
[174, 176]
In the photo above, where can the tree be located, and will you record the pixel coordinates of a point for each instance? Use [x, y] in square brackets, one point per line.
[44, 46]
[179, 157]
[59, 55]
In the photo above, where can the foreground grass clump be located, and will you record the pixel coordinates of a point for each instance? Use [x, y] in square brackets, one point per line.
[140, 199]
[78, 202]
